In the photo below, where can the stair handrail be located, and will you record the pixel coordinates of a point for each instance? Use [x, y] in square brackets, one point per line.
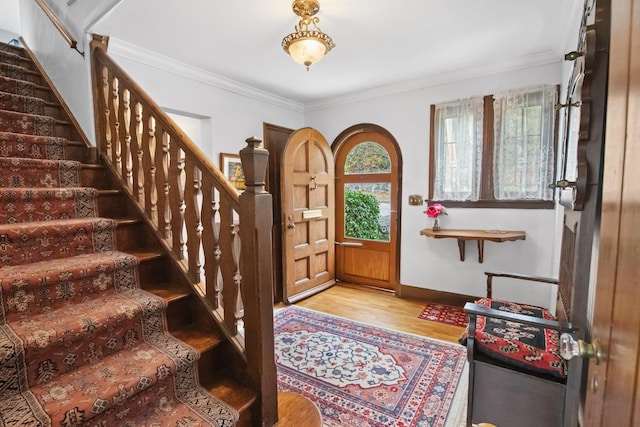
[221, 239]
[62, 29]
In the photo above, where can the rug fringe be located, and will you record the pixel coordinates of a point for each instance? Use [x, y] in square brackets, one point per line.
[457, 416]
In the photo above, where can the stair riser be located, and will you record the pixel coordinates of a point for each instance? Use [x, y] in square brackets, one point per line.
[38, 205]
[75, 345]
[209, 364]
[27, 89]
[24, 244]
[179, 314]
[17, 60]
[112, 205]
[153, 271]
[16, 50]
[43, 108]
[31, 173]
[13, 124]
[134, 236]
[98, 178]
[20, 73]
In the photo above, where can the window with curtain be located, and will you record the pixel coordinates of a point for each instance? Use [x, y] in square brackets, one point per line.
[495, 151]
[458, 127]
[524, 144]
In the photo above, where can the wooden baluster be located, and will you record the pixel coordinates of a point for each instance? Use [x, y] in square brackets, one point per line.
[166, 163]
[116, 125]
[107, 125]
[128, 162]
[140, 155]
[257, 286]
[197, 258]
[236, 249]
[183, 251]
[227, 265]
[153, 190]
[211, 244]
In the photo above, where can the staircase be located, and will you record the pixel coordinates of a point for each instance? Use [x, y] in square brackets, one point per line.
[95, 310]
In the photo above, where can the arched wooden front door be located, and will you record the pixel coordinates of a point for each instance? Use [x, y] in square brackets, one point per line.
[367, 193]
[307, 211]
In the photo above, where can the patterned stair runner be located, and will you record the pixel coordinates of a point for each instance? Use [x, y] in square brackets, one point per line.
[80, 343]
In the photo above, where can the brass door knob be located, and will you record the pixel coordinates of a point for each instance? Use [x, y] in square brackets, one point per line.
[569, 348]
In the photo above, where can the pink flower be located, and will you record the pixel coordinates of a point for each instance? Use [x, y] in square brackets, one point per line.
[435, 210]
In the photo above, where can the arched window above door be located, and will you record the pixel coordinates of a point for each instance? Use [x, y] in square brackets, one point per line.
[366, 158]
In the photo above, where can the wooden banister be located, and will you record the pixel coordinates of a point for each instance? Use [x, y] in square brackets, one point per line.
[220, 239]
[64, 31]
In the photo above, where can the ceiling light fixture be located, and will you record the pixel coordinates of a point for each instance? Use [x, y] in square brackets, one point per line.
[307, 46]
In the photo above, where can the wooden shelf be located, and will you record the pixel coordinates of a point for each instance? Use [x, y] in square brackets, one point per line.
[480, 235]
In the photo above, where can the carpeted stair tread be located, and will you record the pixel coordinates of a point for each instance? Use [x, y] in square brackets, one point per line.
[16, 59]
[151, 410]
[200, 339]
[34, 146]
[230, 391]
[31, 124]
[22, 103]
[111, 379]
[24, 243]
[19, 72]
[25, 172]
[16, 50]
[20, 87]
[80, 333]
[168, 291]
[42, 286]
[46, 204]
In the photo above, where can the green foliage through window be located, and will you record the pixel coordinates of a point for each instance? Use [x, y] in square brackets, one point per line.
[367, 157]
[361, 213]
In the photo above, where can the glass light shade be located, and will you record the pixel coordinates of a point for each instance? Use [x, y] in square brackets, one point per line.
[307, 50]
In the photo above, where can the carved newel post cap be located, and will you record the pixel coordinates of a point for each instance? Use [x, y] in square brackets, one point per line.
[254, 160]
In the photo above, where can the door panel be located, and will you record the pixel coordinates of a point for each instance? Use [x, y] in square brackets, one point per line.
[308, 224]
[275, 139]
[613, 387]
[583, 163]
[367, 192]
[365, 263]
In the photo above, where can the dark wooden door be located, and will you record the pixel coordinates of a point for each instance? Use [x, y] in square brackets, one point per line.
[307, 215]
[275, 139]
[582, 150]
[612, 388]
[367, 178]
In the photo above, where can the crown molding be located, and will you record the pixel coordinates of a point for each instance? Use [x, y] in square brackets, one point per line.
[136, 53]
[543, 58]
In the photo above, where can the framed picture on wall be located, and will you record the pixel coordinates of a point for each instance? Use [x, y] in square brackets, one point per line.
[232, 169]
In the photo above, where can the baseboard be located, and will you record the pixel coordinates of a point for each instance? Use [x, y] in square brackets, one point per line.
[431, 295]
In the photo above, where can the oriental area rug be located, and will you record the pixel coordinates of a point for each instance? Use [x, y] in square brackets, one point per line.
[362, 375]
[444, 314]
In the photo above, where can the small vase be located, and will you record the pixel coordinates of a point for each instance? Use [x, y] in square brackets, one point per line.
[436, 225]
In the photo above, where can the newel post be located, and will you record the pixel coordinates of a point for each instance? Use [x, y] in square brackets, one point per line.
[257, 285]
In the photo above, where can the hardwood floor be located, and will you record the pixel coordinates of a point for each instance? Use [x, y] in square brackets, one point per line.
[378, 307]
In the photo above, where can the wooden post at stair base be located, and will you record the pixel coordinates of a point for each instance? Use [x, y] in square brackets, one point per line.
[257, 287]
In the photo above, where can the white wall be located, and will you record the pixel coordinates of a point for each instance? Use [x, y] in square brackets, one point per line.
[233, 117]
[230, 116]
[434, 264]
[9, 18]
[68, 70]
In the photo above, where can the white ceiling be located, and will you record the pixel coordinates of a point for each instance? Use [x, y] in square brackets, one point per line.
[378, 42]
